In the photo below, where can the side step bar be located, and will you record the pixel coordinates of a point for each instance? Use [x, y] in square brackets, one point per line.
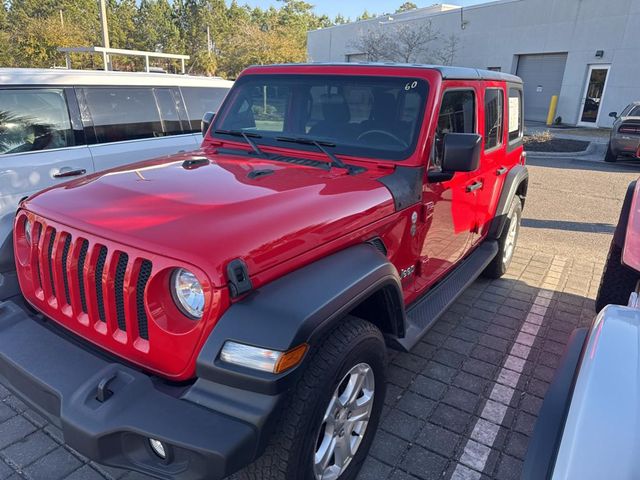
[425, 311]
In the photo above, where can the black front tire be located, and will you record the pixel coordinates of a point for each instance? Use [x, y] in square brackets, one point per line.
[291, 449]
[610, 157]
[618, 281]
[506, 245]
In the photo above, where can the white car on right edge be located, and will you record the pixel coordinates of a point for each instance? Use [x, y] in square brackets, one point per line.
[589, 425]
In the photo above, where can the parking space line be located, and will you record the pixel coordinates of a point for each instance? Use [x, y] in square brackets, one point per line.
[478, 448]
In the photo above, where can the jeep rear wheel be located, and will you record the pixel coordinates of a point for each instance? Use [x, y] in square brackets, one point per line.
[618, 280]
[507, 242]
[328, 423]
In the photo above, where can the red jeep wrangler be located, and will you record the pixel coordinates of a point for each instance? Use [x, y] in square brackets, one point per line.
[229, 307]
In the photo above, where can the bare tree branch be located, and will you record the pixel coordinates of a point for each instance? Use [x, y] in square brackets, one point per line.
[406, 43]
[447, 54]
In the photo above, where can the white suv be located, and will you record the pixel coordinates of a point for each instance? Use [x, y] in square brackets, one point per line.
[59, 124]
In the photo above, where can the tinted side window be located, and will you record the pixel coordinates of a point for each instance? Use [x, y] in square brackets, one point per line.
[200, 100]
[493, 111]
[515, 114]
[34, 119]
[635, 112]
[171, 114]
[120, 114]
[457, 115]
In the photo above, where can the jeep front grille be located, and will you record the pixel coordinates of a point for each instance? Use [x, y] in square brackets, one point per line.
[113, 295]
[143, 278]
[84, 247]
[99, 275]
[91, 275]
[123, 259]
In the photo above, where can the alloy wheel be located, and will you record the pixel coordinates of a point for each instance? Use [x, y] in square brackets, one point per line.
[344, 423]
[510, 242]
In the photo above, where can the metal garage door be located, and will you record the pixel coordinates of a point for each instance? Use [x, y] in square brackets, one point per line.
[542, 75]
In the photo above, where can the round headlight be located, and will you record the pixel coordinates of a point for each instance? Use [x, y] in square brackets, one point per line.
[187, 293]
[27, 231]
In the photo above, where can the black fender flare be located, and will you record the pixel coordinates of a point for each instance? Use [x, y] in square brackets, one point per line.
[298, 308]
[620, 233]
[518, 176]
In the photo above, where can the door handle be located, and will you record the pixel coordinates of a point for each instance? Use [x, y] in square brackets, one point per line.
[65, 172]
[501, 171]
[474, 186]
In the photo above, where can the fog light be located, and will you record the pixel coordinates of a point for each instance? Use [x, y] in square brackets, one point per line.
[158, 448]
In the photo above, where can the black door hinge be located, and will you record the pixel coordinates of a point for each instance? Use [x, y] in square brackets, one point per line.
[239, 281]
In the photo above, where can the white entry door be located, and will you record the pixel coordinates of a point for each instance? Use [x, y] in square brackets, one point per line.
[594, 89]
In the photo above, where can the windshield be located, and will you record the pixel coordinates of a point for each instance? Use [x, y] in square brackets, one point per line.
[366, 116]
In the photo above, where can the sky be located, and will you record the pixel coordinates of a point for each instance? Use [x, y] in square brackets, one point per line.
[353, 8]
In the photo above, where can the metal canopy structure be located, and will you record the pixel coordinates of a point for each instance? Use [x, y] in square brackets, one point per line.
[105, 52]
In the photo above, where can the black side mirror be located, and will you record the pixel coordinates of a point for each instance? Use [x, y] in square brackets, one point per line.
[206, 122]
[613, 114]
[461, 152]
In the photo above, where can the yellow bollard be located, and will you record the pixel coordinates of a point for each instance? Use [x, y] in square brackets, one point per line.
[552, 110]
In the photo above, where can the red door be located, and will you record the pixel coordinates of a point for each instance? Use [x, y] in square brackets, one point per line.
[502, 149]
[493, 161]
[448, 213]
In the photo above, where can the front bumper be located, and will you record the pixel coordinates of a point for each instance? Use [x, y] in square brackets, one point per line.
[60, 378]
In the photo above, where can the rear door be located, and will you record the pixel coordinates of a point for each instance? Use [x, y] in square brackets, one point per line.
[493, 161]
[128, 124]
[41, 145]
[448, 210]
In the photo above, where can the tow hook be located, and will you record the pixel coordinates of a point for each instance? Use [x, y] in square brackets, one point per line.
[103, 393]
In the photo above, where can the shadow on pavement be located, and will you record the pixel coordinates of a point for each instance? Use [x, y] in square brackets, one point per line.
[572, 226]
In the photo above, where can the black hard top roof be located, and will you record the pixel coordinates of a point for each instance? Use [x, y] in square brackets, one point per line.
[448, 73]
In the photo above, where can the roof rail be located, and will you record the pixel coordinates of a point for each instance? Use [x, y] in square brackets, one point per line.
[119, 51]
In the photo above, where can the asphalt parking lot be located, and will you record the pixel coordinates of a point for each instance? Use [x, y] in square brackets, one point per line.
[463, 404]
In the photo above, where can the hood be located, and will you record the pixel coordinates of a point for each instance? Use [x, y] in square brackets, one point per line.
[210, 209]
[601, 435]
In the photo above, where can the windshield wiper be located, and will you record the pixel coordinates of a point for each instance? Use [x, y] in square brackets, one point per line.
[320, 145]
[247, 138]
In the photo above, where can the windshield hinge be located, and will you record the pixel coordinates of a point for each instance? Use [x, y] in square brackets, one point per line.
[239, 281]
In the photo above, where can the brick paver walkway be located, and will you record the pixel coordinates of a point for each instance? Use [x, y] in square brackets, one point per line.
[443, 390]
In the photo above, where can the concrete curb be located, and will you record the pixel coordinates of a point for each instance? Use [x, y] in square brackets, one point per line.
[595, 150]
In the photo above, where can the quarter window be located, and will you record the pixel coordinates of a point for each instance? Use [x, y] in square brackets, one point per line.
[457, 115]
[34, 119]
[515, 114]
[200, 100]
[493, 112]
